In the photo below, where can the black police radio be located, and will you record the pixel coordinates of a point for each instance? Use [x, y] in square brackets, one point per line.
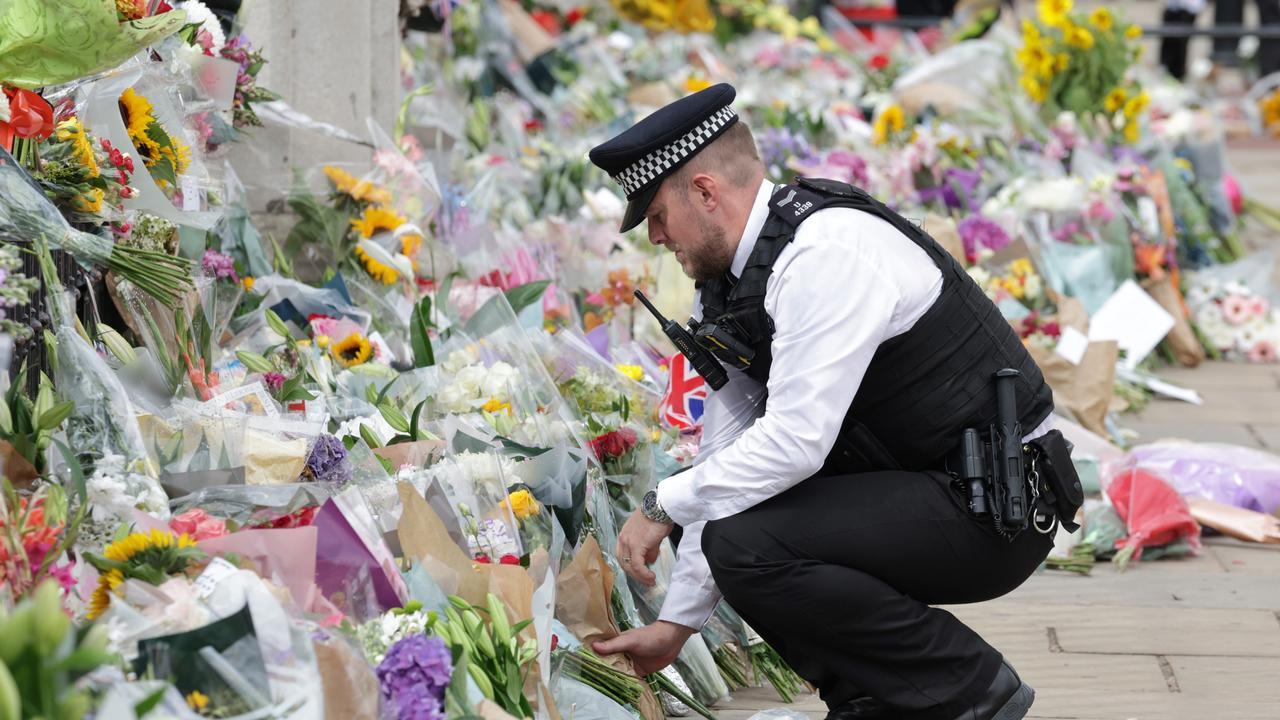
[698, 355]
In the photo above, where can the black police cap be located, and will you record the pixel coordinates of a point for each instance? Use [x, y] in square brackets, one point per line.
[648, 152]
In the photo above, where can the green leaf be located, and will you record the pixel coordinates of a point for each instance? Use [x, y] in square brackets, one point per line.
[255, 362]
[419, 334]
[83, 660]
[394, 417]
[382, 394]
[525, 295]
[53, 418]
[6, 418]
[151, 702]
[74, 467]
[367, 435]
[277, 325]
[413, 422]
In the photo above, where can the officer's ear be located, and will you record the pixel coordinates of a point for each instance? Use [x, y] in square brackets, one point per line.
[705, 192]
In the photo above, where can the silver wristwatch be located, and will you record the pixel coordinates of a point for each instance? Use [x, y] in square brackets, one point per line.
[652, 509]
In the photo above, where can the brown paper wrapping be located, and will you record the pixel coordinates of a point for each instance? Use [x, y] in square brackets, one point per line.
[15, 467]
[350, 688]
[269, 460]
[425, 539]
[651, 95]
[1182, 339]
[943, 229]
[531, 39]
[1239, 523]
[1085, 389]
[417, 454]
[583, 592]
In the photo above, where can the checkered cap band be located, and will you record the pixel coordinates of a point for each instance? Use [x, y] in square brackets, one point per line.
[655, 164]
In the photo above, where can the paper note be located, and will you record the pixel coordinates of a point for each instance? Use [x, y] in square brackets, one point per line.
[1072, 345]
[1134, 320]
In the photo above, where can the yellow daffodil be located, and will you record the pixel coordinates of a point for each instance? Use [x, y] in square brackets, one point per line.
[1102, 19]
[1115, 99]
[888, 123]
[1053, 12]
[354, 350]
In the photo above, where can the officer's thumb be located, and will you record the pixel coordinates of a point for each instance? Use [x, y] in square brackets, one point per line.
[621, 643]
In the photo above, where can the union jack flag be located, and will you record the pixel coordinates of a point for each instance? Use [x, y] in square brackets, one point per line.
[686, 395]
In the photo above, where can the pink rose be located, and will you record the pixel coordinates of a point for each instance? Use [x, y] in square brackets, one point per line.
[1259, 306]
[199, 525]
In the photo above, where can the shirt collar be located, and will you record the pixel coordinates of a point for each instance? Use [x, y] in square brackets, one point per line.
[755, 223]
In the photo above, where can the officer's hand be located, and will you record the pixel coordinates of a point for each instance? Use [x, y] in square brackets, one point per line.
[638, 546]
[651, 648]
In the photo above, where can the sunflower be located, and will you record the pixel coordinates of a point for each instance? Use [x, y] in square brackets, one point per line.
[1136, 105]
[1079, 37]
[355, 188]
[1034, 88]
[1133, 32]
[73, 132]
[377, 219]
[410, 244]
[888, 123]
[1053, 12]
[1102, 19]
[694, 84]
[1131, 132]
[384, 274]
[137, 114]
[352, 351]
[101, 599]
[1030, 33]
[1115, 99]
[1061, 62]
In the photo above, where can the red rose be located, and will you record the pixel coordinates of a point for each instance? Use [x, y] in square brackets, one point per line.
[555, 641]
[614, 444]
[547, 20]
[879, 62]
[508, 560]
[483, 560]
[575, 15]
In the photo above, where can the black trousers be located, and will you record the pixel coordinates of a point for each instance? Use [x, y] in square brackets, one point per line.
[1231, 12]
[1173, 50]
[838, 575]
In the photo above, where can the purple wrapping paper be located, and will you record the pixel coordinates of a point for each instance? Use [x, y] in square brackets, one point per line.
[1238, 476]
[346, 570]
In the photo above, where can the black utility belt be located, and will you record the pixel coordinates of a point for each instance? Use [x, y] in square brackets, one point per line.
[1015, 484]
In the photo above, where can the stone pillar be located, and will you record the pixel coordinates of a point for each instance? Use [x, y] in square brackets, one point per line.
[337, 61]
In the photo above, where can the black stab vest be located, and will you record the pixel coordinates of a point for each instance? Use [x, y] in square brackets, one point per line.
[923, 387]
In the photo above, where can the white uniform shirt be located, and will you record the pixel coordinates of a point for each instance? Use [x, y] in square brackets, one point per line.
[845, 284]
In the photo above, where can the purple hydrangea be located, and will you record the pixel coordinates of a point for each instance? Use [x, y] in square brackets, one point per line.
[778, 145]
[328, 461]
[978, 233]
[414, 676]
[219, 265]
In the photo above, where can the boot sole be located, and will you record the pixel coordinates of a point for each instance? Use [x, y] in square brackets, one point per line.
[1017, 706]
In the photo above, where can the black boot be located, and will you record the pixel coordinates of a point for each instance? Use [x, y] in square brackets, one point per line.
[1008, 698]
[863, 708]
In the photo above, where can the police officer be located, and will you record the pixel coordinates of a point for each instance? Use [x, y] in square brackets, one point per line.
[829, 504]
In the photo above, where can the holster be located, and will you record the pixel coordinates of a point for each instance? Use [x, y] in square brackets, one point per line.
[1059, 484]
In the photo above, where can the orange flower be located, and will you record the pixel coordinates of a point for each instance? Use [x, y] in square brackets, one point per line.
[619, 291]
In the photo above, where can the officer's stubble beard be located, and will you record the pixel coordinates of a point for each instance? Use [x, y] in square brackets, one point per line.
[711, 257]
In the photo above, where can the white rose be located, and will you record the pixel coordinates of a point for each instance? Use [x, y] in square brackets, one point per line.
[455, 398]
[500, 380]
[470, 379]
